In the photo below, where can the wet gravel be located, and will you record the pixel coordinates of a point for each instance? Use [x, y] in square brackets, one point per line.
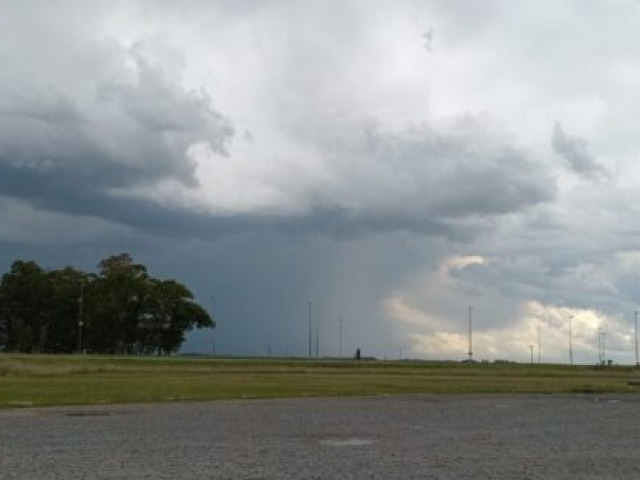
[425, 437]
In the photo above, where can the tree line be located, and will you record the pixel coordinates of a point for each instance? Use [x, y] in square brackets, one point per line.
[120, 309]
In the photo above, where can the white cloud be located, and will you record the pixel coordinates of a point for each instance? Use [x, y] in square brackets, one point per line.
[537, 325]
[508, 309]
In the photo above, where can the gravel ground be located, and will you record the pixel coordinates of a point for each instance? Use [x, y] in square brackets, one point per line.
[443, 437]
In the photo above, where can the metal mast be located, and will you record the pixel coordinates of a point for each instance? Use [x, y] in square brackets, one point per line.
[570, 342]
[636, 338]
[309, 304]
[340, 322]
[470, 335]
[80, 322]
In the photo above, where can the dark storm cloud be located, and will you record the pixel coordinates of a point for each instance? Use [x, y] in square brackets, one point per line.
[84, 116]
[80, 155]
[433, 186]
[442, 172]
[131, 132]
[95, 128]
[69, 147]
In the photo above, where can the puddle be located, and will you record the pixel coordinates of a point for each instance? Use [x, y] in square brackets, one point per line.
[346, 442]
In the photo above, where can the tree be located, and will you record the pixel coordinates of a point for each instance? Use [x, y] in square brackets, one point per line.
[171, 312]
[123, 309]
[116, 305]
[63, 309]
[24, 293]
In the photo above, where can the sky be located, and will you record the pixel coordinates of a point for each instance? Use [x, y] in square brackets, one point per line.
[393, 163]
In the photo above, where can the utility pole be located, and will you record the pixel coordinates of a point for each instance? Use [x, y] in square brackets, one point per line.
[531, 352]
[470, 335]
[599, 346]
[213, 337]
[340, 322]
[636, 338]
[570, 342]
[80, 322]
[602, 352]
[309, 304]
[539, 346]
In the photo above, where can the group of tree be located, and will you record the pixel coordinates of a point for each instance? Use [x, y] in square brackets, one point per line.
[119, 309]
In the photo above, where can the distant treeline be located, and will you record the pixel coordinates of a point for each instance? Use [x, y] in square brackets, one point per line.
[121, 309]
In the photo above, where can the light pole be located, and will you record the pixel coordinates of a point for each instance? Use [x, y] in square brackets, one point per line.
[213, 337]
[309, 304]
[80, 322]
[340, 322]
[599, 346]
[470, 336]
[602, 353]
[539, 346]
[531, 351]
[636, 338]
[570, 342]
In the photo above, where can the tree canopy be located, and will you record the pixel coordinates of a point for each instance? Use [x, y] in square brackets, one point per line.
[119, 309]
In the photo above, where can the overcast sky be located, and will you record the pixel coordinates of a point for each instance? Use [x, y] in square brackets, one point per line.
[393, 162]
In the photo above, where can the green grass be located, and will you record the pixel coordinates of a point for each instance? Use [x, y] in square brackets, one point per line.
[39, 380]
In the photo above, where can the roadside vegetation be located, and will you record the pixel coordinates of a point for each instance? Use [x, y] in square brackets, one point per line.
[43, 380]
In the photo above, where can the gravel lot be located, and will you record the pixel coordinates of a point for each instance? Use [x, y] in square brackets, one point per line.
[444, 437]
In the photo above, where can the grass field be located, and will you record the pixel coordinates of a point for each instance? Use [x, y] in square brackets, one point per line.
[39, 380]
